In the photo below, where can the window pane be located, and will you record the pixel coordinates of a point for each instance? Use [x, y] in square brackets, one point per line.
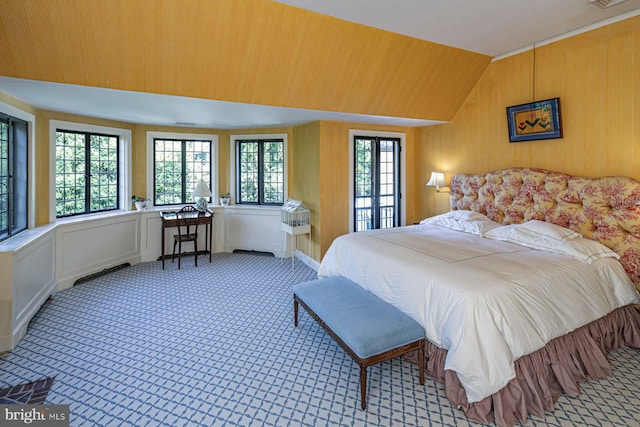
[13, 176]
[198, 165]
[168, 172]
[70, 173]
[249, 172]
[363, 220]
[104, 172]
[386, 217]
[273, 176]
[261, 175]
[363, 173]
[178, 166]
[388, 169]
[87, 172]
[4, 179]
[20, 176]
[364, 184]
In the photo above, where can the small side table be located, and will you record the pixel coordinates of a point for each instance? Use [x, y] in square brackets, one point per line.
[293, 232]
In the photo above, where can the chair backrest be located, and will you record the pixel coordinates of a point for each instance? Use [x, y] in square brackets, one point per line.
[188, 219]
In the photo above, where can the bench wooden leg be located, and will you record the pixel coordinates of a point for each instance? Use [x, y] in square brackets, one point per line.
[363, 386]
[295, 312]
[421, 362]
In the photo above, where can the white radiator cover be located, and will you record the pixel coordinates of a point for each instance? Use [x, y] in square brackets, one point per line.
[94, 244]
[27, 264]
[253, 228]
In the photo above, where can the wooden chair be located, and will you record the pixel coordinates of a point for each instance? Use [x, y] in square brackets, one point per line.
[188, 219]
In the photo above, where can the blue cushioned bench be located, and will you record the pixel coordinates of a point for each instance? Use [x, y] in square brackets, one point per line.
[368, 329]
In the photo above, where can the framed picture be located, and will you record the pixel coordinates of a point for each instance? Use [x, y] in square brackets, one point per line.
[535, 120]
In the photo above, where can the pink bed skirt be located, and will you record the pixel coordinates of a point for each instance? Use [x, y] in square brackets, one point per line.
[542, 376]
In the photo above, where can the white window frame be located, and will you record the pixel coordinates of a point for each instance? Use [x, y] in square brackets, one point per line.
[232, 161]
[151, 136]
[403, 171]
[124, 174]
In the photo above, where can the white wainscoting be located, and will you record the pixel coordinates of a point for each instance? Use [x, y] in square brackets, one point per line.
[89, 245]
[40, 261]
[27, 263]
[253, 228]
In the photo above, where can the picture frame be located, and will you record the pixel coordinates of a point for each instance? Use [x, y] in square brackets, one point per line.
[535, 120]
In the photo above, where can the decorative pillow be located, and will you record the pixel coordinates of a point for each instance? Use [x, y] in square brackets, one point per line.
[548, 230]
[465, 221]
[577, 247]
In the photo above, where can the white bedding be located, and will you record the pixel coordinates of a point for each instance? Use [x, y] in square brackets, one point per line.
[487, 302]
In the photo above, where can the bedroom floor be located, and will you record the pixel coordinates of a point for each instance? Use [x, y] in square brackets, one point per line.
[215, 345]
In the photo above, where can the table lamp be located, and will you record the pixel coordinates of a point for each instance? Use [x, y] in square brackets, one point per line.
[201, 194]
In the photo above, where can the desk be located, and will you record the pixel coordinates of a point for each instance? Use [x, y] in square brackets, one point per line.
[169, 219]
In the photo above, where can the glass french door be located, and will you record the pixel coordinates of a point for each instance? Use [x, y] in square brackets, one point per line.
[376, 182]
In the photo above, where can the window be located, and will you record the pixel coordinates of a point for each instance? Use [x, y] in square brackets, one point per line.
[179, 164]
[13, 175]
[376, 182]
[87, 172]
[260, 165]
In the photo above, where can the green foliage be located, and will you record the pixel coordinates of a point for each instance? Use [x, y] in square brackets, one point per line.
[178, 167]
[86, 180]
[265, 174]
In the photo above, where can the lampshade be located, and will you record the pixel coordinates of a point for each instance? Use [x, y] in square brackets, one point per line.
[201, 190]
[201, 193]
[436, 180]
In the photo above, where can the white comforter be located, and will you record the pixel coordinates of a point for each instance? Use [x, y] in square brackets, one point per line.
[485, 301]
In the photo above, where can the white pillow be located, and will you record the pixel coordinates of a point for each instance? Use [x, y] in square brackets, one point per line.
[577, 247]
[511, 233]
[465, 215]
[588, 250]
[467, 222]
[548, 230]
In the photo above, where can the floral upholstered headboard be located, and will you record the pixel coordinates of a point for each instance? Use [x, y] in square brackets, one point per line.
[601, 209]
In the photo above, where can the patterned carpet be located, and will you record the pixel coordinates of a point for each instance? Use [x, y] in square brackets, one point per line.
[215, 345]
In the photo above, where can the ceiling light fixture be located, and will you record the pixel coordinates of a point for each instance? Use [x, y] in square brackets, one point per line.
[604, 4]
[185, 124]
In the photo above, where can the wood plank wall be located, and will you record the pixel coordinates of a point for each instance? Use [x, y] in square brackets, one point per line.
[597, 77]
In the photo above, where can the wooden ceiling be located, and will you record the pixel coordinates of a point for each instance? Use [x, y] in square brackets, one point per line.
[258, 51]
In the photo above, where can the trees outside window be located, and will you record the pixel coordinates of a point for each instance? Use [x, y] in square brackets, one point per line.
[179, 164]
[13, 176]
[87, 172]
[260, 176]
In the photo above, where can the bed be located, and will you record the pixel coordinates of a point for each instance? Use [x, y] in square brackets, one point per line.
[522, 288]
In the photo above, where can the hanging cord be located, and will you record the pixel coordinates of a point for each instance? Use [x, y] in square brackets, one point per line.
[534, 74]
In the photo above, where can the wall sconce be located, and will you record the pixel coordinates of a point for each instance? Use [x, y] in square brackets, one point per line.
[437, 180]
[201, 194]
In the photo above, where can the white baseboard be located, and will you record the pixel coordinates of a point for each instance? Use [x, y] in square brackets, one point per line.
[307, 260]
